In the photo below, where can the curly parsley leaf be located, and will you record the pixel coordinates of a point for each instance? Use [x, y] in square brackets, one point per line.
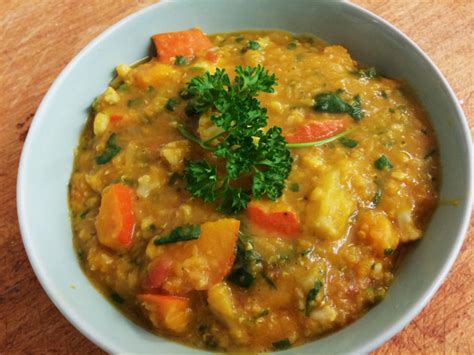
[249, 153]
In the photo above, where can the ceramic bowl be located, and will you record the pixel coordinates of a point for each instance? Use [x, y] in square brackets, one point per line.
[47, 159]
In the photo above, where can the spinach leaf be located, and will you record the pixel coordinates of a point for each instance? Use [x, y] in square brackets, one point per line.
[347, 142]
[312, 296]
[180, 234]
[382, 163]
[110, 151]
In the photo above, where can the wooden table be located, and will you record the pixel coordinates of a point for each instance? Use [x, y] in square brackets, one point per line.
[39, 37]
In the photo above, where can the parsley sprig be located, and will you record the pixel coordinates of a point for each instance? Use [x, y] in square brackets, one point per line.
[249, 152]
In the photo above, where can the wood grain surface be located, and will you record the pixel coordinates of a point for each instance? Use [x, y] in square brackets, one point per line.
[39, 37]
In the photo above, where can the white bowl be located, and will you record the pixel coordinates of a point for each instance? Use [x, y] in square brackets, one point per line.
[47, 158]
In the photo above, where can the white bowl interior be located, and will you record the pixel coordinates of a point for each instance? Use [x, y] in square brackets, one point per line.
[47, 158]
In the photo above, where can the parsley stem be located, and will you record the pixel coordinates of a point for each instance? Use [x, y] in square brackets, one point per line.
[320, 142]
[188, 135]
[215, 137]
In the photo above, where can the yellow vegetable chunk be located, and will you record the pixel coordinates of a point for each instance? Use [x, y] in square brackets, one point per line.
[329, 208]
[377, 230]
[221, 303]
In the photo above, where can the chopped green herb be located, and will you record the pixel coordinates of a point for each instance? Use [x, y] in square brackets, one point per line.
[150, 89]
[117, 298]
[391, 110]
[383, 94]
[152, 228]
[84, 213]
[269, 281]
[332, 103]
[80, 254]
[180, 234]
[312, 296]
[347, 142]
[282, 344]
[123, 87]
[239, 39]
[241, 278]
[382, 163]
[294, 186]
[180, 60]
[110, 151]
[247, 264]
[388, 251]
[170, 104]
[291, 45]
[357, 113]
[253, 45]
[377, 197]
[369, 73]
[134, 102]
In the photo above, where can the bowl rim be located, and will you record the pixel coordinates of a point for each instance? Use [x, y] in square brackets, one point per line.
[81, 323]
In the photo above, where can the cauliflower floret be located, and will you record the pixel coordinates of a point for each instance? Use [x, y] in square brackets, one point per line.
[111, 96]
[101, 122]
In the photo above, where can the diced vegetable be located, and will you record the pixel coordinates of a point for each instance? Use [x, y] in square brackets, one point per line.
[316, 130]
[157, 273]
[115, 222]
[221, 302]
[170, 312]
[200, 264]
[111, 96]
[101, 122]
[187, 44]
[376, 229]
[330, 206]
[283, 222]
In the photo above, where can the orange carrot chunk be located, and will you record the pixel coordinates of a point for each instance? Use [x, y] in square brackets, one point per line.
[187, 43]
[284, 223]
[116, 221]
[170, 312]
[316, 130]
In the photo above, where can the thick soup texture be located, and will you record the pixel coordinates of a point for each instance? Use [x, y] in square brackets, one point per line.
[184, 240]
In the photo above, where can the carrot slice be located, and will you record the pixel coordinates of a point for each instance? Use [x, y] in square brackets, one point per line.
[169, 312]
[199, 264]
[284, 223]
[316, 130]
[187, 43]
[115, 118]
[116, 221]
